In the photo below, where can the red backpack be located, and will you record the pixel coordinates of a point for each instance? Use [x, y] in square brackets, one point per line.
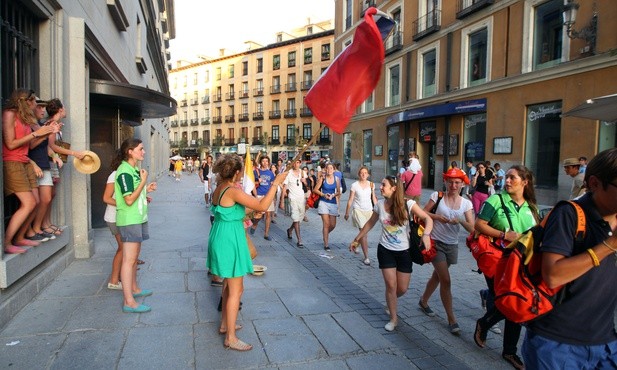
[520, 292]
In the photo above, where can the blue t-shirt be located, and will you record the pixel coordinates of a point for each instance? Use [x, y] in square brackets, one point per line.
[265, 178]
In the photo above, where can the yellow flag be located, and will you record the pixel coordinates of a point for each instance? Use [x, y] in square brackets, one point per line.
[248, 181]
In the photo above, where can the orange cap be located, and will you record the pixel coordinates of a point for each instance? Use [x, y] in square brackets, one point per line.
[455, 173]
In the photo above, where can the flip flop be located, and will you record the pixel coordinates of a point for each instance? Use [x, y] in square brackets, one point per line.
[238, 327]
[238, 346]
[140, 262]
[52, 230]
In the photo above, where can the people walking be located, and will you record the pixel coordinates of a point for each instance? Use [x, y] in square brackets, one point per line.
[361, 200]
[327, 188]
[571, 166]
[480, 184]
[392, 252]
[449, 213]
[263, 182]
[504, 217]
[228, 252]
[132, 219]
[293, 190]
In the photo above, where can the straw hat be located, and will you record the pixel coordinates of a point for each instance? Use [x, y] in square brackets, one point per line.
[571, 162]
[90, 164]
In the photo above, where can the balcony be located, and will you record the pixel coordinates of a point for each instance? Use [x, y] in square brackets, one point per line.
[194, 121]
[291, 87]
[275, 141]
[306, 85]
[257, 141]
[230, 142]
[205, 100]
[183, 103]
[365, 5]
[217, 119]
[194, 101]
[206, 142]
[218, 141]
[289, 140]
[205, 121]
[259, 91]
[184, 123]
[324, 140]
[243, 94]
[394, 43]
[291, 113]
[306, 112]
[467, 7]
[258, 116]
[426, 25]
[230, 118]
[275, 114]
[276, 89]
[230, 95]
[174, 123]
[217, 98]
[243, 117]
[242, 140]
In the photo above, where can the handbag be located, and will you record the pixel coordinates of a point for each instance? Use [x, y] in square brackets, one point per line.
[313, 200]
[63, 144]
[418, 253]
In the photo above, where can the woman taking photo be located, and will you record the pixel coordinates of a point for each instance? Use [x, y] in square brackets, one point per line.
[452, 212]
[361, 197]
[392, 252]
[327, 188]
[520, 214]
[132, 219]
[480, 183]
[228, 252]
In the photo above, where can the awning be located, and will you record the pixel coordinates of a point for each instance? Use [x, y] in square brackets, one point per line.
[135, 101]
[603, 108]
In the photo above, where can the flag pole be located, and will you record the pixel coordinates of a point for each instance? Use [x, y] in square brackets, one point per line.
[305, 147]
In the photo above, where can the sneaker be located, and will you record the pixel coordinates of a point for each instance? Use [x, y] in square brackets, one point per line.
[115, 286]
[390, 326]
[495, 329]
[326, 248]
[514, 360]
[216, 283]
[367, 262]
[483, 298]
[267, 237]
[12, 249]
[426, 309]
[37, 238]
[251, 230]
[48, 235]
[454, 328]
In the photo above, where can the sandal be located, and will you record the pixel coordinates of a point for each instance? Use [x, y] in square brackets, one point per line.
[479, 336]
[140, 262]
[52, 230]
[238, 346]
[224, 331]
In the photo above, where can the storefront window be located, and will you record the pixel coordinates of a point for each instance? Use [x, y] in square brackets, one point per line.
[393, 148]
[543, 141]
[475, 137]
[608, 136]
[367, 155]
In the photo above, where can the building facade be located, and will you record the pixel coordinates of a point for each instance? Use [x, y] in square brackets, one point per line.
[483, 80]
[253, 97]
[108, 63]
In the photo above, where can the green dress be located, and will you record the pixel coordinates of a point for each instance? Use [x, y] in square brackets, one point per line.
[228, 251]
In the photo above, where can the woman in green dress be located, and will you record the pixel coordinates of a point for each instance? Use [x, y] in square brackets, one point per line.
[228, 253]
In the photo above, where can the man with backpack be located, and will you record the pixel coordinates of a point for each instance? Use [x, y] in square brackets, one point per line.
[579, 332]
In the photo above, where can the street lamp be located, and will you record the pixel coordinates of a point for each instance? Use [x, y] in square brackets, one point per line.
[588, 33]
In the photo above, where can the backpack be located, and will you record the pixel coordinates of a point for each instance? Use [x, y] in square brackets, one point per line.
[486, 250]
[520, 292]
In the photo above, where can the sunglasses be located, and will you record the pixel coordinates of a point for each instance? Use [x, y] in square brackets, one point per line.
[392, 178]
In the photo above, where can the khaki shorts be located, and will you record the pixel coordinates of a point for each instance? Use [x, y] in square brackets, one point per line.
[270, 207]
[18, 177]
[359, 217]
[298, 208]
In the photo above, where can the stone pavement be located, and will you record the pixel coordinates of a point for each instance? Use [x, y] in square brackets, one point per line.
[306, 312]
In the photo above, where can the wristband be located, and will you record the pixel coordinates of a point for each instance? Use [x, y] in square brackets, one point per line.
[594, 257]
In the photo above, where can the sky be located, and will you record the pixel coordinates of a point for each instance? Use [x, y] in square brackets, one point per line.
[205, 26]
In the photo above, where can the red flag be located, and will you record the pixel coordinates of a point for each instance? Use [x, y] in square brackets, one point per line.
[353, 75]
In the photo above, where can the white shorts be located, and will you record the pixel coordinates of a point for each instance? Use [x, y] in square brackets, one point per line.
[326, 208]
[270, 207]
[298, 208]
[46, 180]
[206, 187]
[359, 217]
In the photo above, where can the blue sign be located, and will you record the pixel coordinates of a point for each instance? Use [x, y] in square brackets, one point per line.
[448, 109]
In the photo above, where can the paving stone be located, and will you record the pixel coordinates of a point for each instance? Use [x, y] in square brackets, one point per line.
[90, 350]
[29, 352]
[41, 316]
[379, 362]
[151, 345]
[331, 336]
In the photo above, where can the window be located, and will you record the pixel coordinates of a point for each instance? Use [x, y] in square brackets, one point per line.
[325, 52]
[347, 11]
[245, 108]
[230, 131]
[608, 135]
[475, 53]
[309, 30]
[427, 74]
[195, 78]
[207, 76]
[291, 134]
[291, 104]
[291, 82]
[393, 83]
[291, 59]
[245, 68]
[475, 137]
[548, 34]
[218, 73]
[308, 55]
[368, 105]
[276, 105]
[307, 131]
[185, 78]
[279, 37]
[231, 71]
[276, 82]
[259, 107]
[307, 80]
[206, 136]
[245, 89]
[276, 61]
[260, 65]
[395, 39]
[260, 87]
[275, 133]
[542, 142]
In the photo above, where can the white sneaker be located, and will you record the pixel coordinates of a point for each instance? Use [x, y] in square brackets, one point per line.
[115, 286]
[367, 262]
[495, 329]
[390, 326]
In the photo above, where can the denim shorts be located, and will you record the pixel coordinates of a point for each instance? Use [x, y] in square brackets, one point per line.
[134, 233]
